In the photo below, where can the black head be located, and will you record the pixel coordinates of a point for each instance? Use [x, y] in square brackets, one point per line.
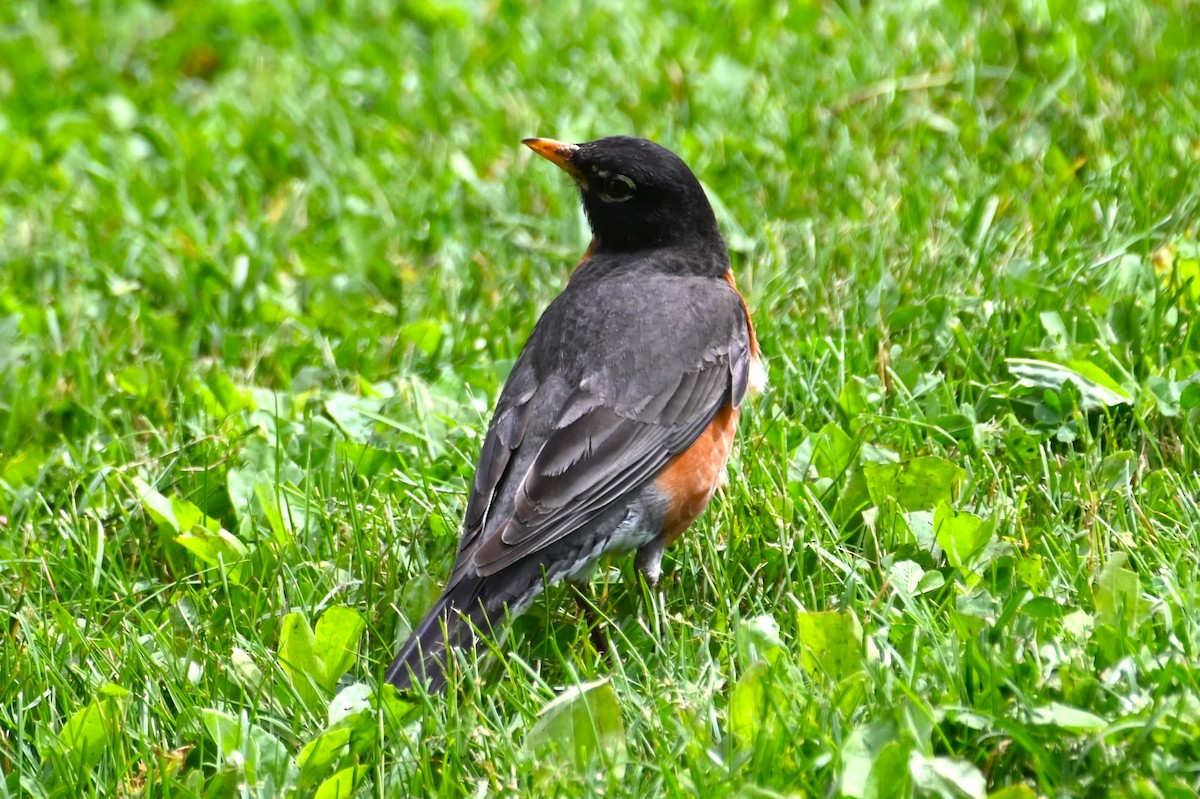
[637, 194]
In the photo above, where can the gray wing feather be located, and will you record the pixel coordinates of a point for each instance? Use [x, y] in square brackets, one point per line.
[540, 479]
[598, 459]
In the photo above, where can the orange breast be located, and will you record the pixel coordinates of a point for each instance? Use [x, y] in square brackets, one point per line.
[754, 351]
[691, 477]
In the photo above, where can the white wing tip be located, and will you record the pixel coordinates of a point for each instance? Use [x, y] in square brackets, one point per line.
[756, 382]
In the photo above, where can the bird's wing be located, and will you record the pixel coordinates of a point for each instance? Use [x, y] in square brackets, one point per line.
[610, 434]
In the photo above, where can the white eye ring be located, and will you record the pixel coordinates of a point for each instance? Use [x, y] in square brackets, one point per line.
[617, 189]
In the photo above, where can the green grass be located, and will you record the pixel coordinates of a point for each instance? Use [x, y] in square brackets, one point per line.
[265, 265]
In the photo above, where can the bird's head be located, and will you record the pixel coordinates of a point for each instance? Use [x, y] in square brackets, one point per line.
[637, 194]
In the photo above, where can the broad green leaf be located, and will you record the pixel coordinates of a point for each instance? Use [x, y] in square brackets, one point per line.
[257, 753]
[852, 692]
[920, 527]
[859, 395]
[1053, 324]
[1118, 592]
[916, 721]
[91, 729]
[833, 451]
[1014, 792]
[262, 462]
[1057, 714]
[224, 728]
[861, 750]
[956, 426]
[156, 505]
[135, 380]
[273, 762]
[758, 639]
[1020, 447]
[213, 548]
[21, 468]
[1030, 571]
[918, 484]
[947, 777]
[1042, 607]
[343, 784]
[356, 417]
[1167, 394]
[874, 453]
[1098, 376]
[297, 655]
[397, 709]
[222, 396]
[831, 643]
[576, 729]
[931, 581]
[1186, 268]
[1117, 470]
[418, 594]
[190, 517]
[978, 604]
[750, 709]
[226, 782]
[962, 535]
[319, 659]
[274, 505]
[367, 461]
[349, 702]
[1189, 398]
[1096, 388]
[424, 334]
[904, 577]
[853, 498]
[322, 754]
[245, 670]
[196, 532]
[1078, 625]
[889, 777]
[336, 642]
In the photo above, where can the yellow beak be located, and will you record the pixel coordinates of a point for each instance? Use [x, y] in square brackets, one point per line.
[558, 153]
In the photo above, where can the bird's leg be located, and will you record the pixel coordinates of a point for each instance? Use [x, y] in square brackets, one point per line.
[649, 560]
[587, 609]
[649, 563]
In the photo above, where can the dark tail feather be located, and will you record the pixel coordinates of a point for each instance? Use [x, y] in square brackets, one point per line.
[450, 624]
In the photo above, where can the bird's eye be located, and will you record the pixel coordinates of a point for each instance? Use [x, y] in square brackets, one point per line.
[617, 189]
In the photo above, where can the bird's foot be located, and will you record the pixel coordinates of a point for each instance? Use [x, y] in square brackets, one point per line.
[587, 610]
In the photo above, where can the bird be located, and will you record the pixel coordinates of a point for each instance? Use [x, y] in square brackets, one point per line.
[615, 425]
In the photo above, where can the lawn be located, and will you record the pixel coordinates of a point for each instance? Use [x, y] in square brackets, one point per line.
[264, 267]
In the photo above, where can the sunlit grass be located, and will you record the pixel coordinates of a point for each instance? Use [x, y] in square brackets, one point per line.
[264, 267]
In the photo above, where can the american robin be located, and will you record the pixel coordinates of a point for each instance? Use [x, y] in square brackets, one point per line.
[613, 430]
